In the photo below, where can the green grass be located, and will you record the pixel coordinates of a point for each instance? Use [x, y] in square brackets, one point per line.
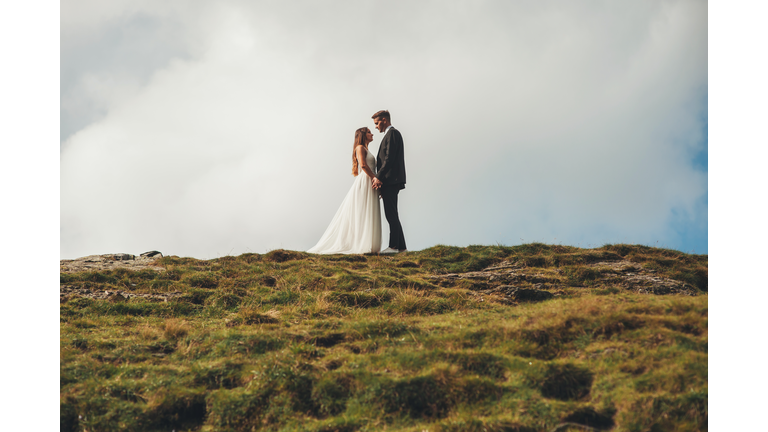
[292, 341]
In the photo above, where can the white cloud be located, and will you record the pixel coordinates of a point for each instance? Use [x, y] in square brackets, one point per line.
[534, 121]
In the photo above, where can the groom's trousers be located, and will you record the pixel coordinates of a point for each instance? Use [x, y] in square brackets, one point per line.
[389, 198]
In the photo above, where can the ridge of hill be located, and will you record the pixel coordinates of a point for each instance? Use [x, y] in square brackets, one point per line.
[524, 338]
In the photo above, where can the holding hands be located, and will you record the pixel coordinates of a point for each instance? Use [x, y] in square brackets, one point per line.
[376, 183]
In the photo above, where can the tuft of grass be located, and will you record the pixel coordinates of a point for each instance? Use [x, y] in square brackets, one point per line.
[424, 396]
[332, 392]
[361, 299]
[281, 255]
[252, 316]
[592, 418]
[226, 374]
[201, 279]
[566, 382]
[175, 329]
[175, 408]
[581, 276]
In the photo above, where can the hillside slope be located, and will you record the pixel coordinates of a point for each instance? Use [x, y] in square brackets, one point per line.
[525, 338]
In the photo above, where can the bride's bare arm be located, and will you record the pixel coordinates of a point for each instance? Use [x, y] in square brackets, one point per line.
[361, 153]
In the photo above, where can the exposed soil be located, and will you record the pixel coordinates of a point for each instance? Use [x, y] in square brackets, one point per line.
[67, 292]
[112, 262]
[146, 261]
[516, 283]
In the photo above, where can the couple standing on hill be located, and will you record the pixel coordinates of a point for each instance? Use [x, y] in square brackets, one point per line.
[356, 227]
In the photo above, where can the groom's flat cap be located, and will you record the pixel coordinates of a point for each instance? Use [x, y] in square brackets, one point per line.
[382, 113]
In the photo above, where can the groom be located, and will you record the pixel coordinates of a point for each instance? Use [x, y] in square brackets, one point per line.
[390, 178]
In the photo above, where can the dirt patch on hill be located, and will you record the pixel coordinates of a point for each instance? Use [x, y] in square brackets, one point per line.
[67, 292]
[144, 261]
[96, 263]
[515, 282]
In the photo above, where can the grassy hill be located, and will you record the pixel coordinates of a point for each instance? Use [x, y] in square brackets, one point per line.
[485, 338]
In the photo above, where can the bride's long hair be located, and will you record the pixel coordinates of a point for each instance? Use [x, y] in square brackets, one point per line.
[359, 140]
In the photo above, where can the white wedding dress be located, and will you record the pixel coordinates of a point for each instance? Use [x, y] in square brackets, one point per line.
[356, 227]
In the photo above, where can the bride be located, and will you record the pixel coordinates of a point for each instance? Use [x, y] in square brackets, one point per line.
[356, 227]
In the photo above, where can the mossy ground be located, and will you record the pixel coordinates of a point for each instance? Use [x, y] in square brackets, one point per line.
[293, 341]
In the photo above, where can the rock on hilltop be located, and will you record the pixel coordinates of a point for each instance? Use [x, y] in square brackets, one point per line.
[112, 262]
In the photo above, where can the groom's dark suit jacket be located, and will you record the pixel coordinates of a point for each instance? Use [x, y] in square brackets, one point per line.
[390, 163]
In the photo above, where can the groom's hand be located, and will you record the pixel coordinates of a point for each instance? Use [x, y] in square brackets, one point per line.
[376, 183]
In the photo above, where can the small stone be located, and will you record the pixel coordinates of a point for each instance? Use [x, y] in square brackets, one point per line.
[117, 298]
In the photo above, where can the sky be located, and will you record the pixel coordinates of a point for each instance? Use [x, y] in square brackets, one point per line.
[207, 129]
